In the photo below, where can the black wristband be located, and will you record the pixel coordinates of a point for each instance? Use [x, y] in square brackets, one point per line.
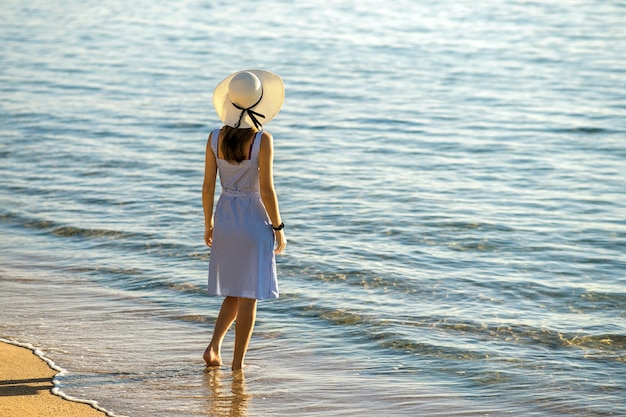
[279, 227]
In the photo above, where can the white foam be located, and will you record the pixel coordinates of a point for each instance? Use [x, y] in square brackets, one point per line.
[56, 390]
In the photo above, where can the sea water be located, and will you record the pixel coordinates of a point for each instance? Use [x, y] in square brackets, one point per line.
[452, 176]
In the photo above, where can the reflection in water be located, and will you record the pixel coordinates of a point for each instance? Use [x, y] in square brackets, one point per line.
[223, 401]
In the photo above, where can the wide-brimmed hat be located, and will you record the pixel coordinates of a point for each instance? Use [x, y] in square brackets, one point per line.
[249, 98]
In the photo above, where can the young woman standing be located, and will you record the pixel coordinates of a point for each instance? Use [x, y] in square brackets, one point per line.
[246, 230]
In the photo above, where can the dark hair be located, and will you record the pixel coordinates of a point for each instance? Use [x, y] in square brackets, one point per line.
[232, 143]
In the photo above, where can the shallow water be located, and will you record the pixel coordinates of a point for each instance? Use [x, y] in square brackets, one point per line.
[452, 178]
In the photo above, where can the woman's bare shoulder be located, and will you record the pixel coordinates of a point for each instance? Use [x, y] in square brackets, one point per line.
[266, 135]
[266, 141]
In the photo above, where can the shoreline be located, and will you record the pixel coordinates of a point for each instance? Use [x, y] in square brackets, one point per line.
[27, 387]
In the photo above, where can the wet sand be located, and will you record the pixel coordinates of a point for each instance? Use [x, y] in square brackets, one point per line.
[26, 387]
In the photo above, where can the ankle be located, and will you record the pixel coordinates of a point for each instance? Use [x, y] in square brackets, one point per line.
[212, 356]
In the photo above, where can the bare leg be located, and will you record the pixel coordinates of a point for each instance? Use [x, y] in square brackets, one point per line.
[246, 316]
[228, 314]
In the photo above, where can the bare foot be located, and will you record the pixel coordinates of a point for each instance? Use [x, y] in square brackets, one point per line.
[212, 357]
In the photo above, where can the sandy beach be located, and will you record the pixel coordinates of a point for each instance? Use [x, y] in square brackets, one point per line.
[26, 384]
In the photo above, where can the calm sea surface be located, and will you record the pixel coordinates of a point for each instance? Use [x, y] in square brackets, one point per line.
[452, 175]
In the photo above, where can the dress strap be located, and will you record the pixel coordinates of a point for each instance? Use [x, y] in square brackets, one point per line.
[256, 145]
[214, 137]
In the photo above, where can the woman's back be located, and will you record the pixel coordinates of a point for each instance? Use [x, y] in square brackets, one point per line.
[238, 178]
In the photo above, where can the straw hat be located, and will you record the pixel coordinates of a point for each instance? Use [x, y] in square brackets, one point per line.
[249, 98]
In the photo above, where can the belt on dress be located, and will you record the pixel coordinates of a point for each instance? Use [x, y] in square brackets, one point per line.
[240, 193]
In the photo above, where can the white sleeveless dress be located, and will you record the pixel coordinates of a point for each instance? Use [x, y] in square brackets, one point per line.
[242, 262]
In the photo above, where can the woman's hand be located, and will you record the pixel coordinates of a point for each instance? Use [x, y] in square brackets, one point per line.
[208, 235]
[281, 241]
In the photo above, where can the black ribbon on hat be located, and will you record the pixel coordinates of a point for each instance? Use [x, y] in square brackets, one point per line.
[251, 113]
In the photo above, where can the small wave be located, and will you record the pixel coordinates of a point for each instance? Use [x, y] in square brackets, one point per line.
[585, 130]
[365, 280]
[39, 224]
[602, 342]
[388, 334]
[381, 332]
[342, 317]
[465, 226]
[183, 125]
[106, 270]
[393, 342]
[70, 231]
[134, 279]
[62, 231]
[193, 319]
[482, 245]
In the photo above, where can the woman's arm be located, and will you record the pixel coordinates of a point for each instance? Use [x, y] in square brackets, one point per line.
[268, 193]
[208, 191]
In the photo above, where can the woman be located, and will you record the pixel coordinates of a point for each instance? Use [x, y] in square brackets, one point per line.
[246, 231]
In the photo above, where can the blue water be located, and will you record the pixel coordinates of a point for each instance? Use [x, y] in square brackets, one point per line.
[452, 176]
